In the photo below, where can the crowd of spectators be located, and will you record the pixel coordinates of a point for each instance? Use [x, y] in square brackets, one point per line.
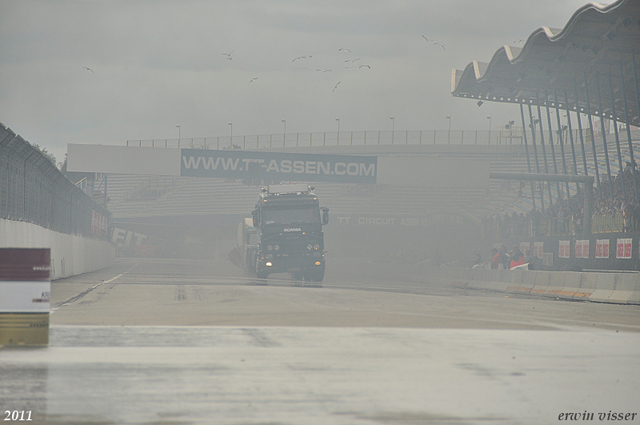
[614, 213]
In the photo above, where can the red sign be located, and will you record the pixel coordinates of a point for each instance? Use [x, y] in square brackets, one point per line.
[564, 249]
[624, 248]
[602, 248]
[538, 249]
[582, 249]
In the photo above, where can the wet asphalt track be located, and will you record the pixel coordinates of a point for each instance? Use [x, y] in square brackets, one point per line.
[184, 342]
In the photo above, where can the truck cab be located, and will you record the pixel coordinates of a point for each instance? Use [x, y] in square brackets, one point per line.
[289, 221]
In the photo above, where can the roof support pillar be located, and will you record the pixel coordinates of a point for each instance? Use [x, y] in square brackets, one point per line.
[593, 139]
[553, 149]
[526, 149]
[544, 153]
[573, 147]
[604, 136]
[561, 140]
[615, 129]
[584, 154]
[635, 81]
[532, 126]
[626, 118]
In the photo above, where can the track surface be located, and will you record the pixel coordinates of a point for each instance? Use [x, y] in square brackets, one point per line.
[177, 292]
[191, 342]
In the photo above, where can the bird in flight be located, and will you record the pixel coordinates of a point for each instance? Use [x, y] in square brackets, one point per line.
[365, 66]
[426, 38]
[253, 79]
[352, 60]
[303, 57]
[344, 50]
[88, 69]
[228, 55]
[335, 87]
[323, 70]
[438, 44]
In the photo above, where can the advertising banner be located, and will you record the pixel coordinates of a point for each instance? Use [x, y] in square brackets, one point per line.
[538, 249]
[623, 251]
[278, 166]
[582, 248]
[564, 249]
[602, 248]
[24, 280]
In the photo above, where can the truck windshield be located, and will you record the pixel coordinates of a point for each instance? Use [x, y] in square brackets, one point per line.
[307, 215]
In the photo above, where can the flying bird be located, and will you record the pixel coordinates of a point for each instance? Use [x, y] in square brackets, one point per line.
[335, 87]
[344, 50]
[352, 60]
[323, 70]
[303, 57]
[438, 44]
[88, 69]
[426, 38]
[253, 79]
[519, 41]
[228, 55]
[365, 66]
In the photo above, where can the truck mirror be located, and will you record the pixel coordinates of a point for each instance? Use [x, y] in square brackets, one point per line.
[325, 218]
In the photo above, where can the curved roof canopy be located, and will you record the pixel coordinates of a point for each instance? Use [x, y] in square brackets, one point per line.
[597, 51]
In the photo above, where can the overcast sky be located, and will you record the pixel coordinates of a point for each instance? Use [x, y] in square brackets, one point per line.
[156, 64]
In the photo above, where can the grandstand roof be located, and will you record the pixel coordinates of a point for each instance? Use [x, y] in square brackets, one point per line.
[597, 46]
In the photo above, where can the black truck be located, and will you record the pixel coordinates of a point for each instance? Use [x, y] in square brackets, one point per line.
[289, 221]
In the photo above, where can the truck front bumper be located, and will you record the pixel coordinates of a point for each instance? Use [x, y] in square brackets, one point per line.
[290, 264]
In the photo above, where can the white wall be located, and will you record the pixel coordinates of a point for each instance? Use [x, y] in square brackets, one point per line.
[70, 255]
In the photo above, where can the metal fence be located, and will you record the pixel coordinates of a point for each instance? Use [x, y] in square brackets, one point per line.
[512, 136]
[33, 190]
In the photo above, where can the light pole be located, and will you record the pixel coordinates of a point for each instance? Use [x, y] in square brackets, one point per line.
[338, 133]
[284, 134]
[230, 135]
[393, 129]
[178, 125]
[449, 132]
[489, 118]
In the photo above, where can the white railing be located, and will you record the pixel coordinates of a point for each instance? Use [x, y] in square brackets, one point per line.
[350, 138]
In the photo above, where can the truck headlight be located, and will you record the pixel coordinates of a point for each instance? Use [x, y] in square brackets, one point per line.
[276, 247]
[268, 264]
[316, 247]
[309, 247]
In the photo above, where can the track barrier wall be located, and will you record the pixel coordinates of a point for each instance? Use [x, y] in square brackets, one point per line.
[610, 287]
[606, 287]
[41, 208]
[71, 255]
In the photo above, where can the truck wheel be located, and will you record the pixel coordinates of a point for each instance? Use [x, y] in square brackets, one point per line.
[315, 276]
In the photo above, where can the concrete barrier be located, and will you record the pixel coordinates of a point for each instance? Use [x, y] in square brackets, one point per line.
[605, 285]
[611, 287]
[70, 255]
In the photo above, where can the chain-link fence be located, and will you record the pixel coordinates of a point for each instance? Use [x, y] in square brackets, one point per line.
[33, 190]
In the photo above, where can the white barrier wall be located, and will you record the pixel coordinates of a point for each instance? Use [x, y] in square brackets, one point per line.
[609, 287]
[70, 255]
